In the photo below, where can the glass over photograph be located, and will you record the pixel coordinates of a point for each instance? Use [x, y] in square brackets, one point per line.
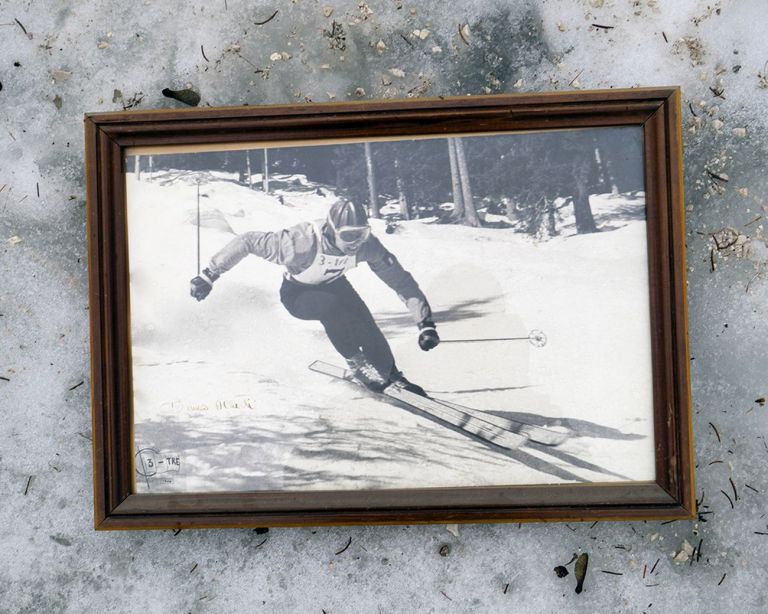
[469, 310]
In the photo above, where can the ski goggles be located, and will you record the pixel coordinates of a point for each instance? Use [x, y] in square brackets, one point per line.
[352, 234]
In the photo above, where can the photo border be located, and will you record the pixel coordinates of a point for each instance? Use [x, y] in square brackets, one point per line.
[109, 135]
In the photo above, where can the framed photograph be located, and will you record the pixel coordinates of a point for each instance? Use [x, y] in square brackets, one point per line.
[431, 310]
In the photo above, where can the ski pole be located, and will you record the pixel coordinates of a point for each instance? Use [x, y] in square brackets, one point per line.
[535, 338]
[198, 227]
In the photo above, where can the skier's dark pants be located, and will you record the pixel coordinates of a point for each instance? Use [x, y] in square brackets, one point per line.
[345, 317]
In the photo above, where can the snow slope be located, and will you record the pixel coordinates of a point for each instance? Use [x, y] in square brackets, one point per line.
[223, 384]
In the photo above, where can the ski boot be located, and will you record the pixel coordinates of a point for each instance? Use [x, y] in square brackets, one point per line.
[397, 379]
[366, 374]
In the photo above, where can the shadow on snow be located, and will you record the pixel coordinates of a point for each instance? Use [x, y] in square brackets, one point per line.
[465, 310]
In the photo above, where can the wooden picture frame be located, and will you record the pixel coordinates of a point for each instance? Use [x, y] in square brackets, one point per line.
[111, 137]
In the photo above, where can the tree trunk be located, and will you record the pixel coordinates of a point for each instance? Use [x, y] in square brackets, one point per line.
[470, 213]
[585, 223]
[551, 217]
[606, 167]
[458, 201]
[373, 199]
[511, 209]
[137, 168]
[248, 168]
[404, 211]
[265, 175]
[601, 175]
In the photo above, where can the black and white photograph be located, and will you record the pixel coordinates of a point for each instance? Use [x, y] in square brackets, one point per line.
[392, 313]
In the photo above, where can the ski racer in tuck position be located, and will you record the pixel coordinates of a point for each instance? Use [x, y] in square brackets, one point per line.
[317, 255]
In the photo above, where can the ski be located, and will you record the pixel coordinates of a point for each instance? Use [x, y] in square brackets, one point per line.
[548, 436]
[475, 425]
[472, 425]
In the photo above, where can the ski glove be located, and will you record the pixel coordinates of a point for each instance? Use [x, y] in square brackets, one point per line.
[428, 337]
[201, 286]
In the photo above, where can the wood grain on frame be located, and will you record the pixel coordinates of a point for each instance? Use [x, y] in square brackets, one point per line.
[109, 135]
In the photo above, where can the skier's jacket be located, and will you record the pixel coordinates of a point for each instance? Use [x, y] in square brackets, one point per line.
[302, 247]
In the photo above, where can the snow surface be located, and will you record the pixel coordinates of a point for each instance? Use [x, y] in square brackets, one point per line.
[223, 384]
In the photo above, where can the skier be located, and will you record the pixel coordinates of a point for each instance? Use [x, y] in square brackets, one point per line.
[317, 255]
